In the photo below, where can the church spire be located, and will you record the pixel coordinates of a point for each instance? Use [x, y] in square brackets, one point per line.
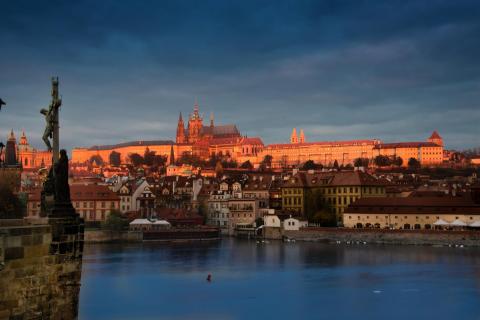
[302, 136]
[172, 156]
[294, 137]
[23, 139]
[180, 130]
[195, 109]
[211, 119]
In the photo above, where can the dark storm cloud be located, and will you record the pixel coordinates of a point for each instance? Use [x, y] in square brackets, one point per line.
[393, 70]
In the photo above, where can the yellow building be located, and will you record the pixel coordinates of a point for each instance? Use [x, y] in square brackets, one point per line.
[338, 189]
[322, 152]
[299, 151]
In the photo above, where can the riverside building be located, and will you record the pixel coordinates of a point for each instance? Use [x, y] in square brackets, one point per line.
[415, 212]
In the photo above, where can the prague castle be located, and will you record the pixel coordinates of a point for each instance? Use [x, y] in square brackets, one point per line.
[202, 140]
[194, 138]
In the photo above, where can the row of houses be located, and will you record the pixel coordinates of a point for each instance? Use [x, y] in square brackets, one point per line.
[240, 199]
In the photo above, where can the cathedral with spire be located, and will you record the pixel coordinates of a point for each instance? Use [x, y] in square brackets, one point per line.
[196, 131]
[23, 154]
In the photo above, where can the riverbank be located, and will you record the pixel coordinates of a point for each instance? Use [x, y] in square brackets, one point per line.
[105, 236]
[181, 235]
[382, 236]
[329, 235]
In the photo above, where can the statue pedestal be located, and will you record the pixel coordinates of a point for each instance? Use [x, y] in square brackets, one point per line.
[67, 230]
[66, 250]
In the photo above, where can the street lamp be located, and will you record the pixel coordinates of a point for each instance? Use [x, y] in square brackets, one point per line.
[1, 151]
[2, 103]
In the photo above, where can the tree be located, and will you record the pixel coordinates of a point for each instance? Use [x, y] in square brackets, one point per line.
[413, 163]
[219, 169]
[361, 162]
[97, 160]
[188, 158]
[229, 163]
[318, 210]
[159, 161]
[382, 161]
[398, 161]
[309, 165]
[212, 161]
[114, 158]
[335, 164]
[284, 162]
[246, 165]
[148, 157]
[115, 221]
[266, 162]
[136, 159]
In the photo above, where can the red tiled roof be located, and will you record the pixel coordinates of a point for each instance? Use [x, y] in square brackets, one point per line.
[177, 215]
[78, 192]
[254, 140]
[414, 205]
[345, 178]
[355, 178]
[217, 141]
[405, 145]
[435, 135]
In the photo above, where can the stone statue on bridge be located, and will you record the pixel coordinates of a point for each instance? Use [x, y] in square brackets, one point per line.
[51, 119]
[55, 196]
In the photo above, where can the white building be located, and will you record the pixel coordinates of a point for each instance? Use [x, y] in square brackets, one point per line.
[272, 221]
[292, 224]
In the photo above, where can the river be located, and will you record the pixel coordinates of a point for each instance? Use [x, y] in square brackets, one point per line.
[279, 280]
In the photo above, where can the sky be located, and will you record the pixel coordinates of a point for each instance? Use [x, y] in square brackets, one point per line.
[340, 70]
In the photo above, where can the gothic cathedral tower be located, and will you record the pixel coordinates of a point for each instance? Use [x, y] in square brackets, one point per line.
[195, 125]
[181, 138]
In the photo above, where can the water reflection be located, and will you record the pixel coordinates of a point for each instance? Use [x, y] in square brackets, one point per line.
[301, 280]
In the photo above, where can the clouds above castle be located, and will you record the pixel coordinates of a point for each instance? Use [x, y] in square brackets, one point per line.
[392, 70]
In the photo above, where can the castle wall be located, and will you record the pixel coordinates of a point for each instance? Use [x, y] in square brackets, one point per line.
[323, 153]
[82, 155]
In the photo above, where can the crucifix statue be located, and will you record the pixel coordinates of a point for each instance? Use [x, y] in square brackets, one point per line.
[51, 118]
[56, 191]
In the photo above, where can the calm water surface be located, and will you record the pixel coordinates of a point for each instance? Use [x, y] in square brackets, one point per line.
[279, 281]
